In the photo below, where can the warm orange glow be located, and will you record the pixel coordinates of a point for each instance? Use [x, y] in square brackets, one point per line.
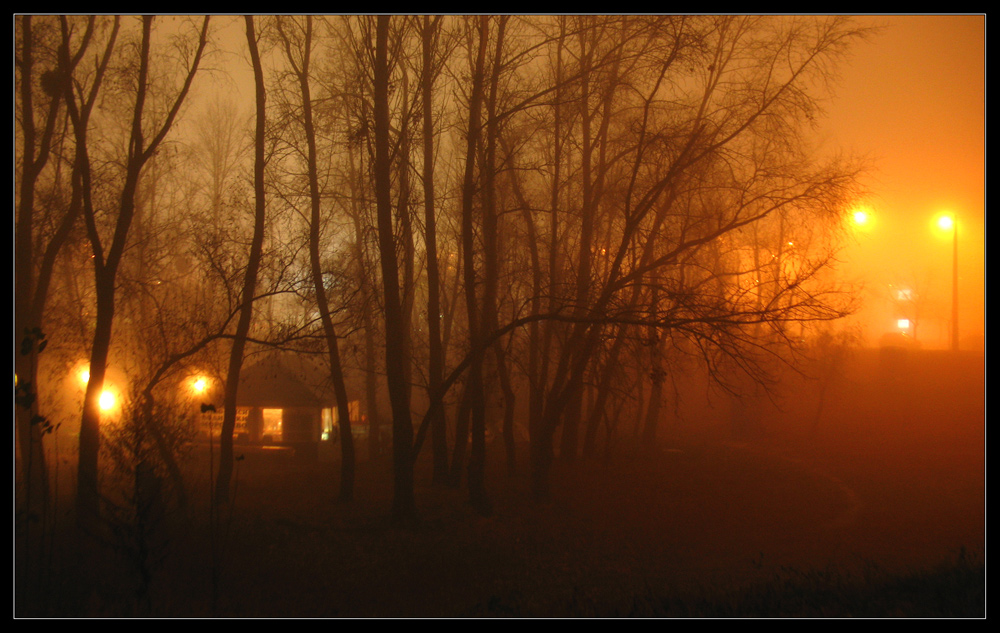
[107, 401]
[946, 222]
[903, 324]
[84, 375]
[199, 385]
[861, 219]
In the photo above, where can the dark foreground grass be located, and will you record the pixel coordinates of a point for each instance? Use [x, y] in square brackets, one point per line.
[954, 589]
[667, 538]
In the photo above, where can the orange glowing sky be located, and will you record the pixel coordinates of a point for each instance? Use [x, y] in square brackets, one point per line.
[912, 98]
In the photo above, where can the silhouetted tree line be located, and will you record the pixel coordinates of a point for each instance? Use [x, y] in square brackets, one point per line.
[485, 210]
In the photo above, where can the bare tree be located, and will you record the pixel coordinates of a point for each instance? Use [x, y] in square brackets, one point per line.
[474, 383]
[141, 147]
[32, 275]
[397, 351]
[300, 62]
[224, 477]
[430, 33]
[665, 147]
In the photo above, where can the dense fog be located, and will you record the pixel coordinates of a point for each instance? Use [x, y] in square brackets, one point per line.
[496, 315]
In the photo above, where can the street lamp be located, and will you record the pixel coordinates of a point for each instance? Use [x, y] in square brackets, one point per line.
[862, 219]
[106, 401]
[949, 222]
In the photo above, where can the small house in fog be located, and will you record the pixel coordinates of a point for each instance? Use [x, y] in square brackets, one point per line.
[286, 399]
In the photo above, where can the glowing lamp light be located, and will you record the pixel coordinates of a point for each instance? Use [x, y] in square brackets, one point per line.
[199, 385]
[84, 376]
[861, 219]
[107, 401]
[903, 324]
[946, 223]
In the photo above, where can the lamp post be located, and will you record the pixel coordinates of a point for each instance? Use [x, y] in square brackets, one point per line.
[949, 222]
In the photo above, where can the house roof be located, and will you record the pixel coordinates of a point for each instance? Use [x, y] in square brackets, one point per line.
[282, 380]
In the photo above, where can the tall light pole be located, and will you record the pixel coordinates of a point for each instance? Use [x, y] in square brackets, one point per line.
[949, 222]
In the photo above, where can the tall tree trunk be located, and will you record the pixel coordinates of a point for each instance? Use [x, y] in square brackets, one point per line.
[585, 256]
[596, 414]
[593, 175]
[88, 500]
[329, 330]
[106, 264]
[105, 270]
[458, 461]
[407, 291]
[657, 376]
[397, 355]
[491, 238]
[477, 396]
[535, 379]
[30, 292]
[367, 312]
[572, 415]
[439, 441]
[536, 422]
[509, 404]
[249, 280]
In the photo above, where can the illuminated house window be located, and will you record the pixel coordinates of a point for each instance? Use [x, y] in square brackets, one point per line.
[903, 324]
[272, 423]
[904, 294]
[327, 422]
